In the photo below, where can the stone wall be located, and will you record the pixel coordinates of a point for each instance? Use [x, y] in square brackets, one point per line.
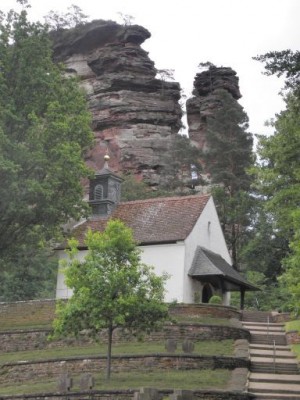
[37, 339]
[293, 337]
[281, 317]
[41, 312]
[25, 370]
[31, 312]
[128, 395]
[195, 310]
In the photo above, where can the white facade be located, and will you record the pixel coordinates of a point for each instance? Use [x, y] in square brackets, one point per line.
[207, 233]
[175, 259]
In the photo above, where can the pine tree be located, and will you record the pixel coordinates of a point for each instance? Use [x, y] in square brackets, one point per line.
[226, 158]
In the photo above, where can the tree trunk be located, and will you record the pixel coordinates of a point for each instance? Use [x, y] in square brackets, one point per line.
[108, 362]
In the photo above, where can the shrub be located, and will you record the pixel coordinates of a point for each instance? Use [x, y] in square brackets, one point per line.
[215, 300]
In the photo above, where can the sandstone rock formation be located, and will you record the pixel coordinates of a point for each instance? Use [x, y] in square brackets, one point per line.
[134, 114]
[206, 99]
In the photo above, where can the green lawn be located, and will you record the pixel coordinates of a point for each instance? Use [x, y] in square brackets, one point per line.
[294, 326]
[223, 347]
[13, 326]
[206, 320]
[191, 379]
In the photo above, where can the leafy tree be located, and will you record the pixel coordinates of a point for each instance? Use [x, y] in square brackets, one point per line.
[111, 288]
[278, 174]
[135, 189]
[44, 133]
[182, 166]
[290, 279]
[278, 178]
[227, 157]
[270, 297]
[265, 246]
[29, 273]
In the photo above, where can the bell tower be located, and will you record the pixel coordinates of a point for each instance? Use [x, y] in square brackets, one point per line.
[105, 191]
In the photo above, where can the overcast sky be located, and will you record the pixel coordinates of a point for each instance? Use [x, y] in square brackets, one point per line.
[225, 32]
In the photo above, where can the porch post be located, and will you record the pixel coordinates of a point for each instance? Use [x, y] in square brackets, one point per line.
[242, 298]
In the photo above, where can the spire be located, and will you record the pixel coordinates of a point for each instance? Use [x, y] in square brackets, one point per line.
[106, 159]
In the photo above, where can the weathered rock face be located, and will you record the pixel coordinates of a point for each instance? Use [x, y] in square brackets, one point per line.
[134, 114]
[206, 99]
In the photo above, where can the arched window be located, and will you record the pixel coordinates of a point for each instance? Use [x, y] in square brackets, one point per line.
[98, 192]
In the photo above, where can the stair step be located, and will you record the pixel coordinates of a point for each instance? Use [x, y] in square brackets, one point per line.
[268, 346]
[269, 361]
[276, 369]
[269, 353]
[268, 379]
[269, 387]
[276, 378]
[265, 333]
[261, 330]
[268, 339]
[270, 369]
[256, 316]
[249, 323]
[282, 396]
[264, 327]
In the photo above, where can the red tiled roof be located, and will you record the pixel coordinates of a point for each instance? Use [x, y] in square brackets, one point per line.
[158, 220]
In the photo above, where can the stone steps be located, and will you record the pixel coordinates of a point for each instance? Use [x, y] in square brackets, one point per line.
[278, 388]
[270, 396]
[264, 327]
[274, 378]
[267, 346]
[271, 353]
[257, 316]
[280, 340]
[249, 323]
[270, 378]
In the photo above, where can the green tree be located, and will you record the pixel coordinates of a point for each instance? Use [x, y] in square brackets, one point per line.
[72, 18]
[278, 173]
[270, 297]
[182, 169]
[44, 133]
[265, 247]
[111, 288]
[278, 179]
[227, 158]
[290, 278]
[287, 63]
[28, 273]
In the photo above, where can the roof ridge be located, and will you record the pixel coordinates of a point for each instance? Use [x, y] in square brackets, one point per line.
[173, 198]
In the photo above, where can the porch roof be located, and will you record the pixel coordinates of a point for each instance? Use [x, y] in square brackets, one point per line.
[208, 265]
